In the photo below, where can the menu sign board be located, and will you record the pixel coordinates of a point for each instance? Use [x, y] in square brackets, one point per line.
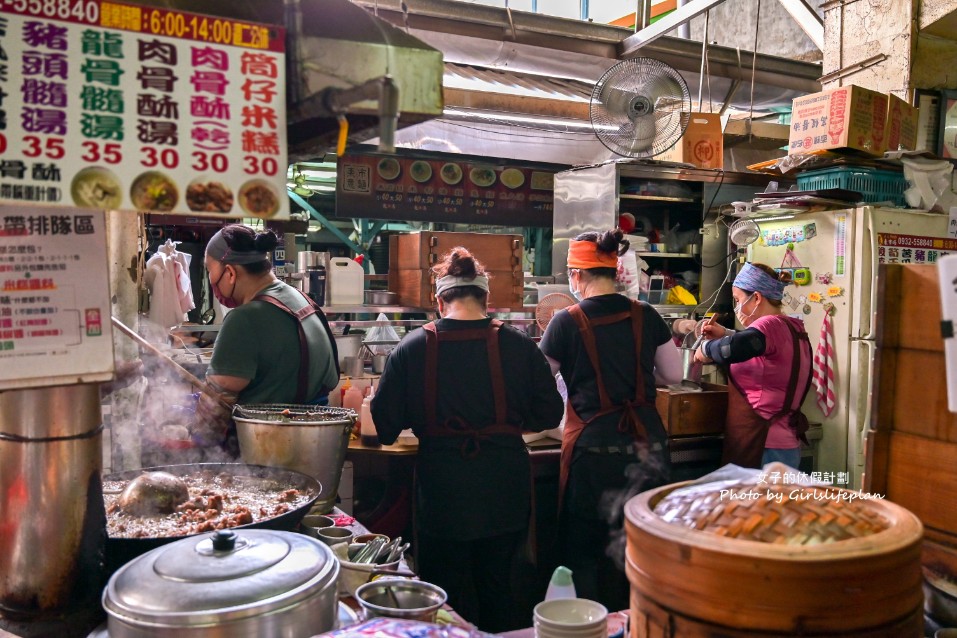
[54, 297]
[115, 106]
[390, 187]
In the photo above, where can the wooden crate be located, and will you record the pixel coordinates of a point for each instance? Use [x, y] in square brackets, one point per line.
[912, 437]
[422, 250]
[416, 288]
[693, 413]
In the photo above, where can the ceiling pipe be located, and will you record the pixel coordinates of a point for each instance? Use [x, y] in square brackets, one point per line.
[334, 102]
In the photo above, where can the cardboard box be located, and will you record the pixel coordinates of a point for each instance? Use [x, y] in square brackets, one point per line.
[901, 125]
[846, 117]
[416, 288]
[422, 250]
[701, 145]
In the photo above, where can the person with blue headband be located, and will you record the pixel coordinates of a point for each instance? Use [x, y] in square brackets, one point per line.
[274, 346]
[769, 371]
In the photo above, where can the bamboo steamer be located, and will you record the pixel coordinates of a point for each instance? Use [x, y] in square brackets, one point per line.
[814, 563]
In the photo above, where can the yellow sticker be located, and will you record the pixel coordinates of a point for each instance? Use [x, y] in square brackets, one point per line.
[835, 291]
[815, 297]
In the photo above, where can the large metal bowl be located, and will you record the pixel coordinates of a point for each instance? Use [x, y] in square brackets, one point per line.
[306, 438]
[401, 598]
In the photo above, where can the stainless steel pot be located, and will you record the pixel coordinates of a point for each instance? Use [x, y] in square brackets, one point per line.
[349, 345]
[307, 438]
[52, 520]
[381, 298]
[244, 584]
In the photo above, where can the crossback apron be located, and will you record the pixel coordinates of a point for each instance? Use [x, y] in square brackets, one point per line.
[745, 430]
[457, 426]
[310, 309]
[471, 436]
[630, 421]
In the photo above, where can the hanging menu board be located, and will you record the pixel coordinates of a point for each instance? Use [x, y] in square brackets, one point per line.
[465, 192]
[115, 106]
[54, 297]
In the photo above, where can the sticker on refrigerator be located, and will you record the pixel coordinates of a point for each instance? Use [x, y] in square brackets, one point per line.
[840, 244]
[912, 249]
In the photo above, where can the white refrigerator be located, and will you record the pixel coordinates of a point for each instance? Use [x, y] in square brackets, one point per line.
[843, 249]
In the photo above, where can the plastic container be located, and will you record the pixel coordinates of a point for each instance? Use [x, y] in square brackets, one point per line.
[344, 284]
[874, 185]
[352, 400]
[561, 584]
[367, 432]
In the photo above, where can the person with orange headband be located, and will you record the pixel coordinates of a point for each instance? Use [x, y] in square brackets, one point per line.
[611, 351]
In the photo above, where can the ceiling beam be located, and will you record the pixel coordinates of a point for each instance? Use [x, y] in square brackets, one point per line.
[673, 20]
[527, 105]
[810, 22]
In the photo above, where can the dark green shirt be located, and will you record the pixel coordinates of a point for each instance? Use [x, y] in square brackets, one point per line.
[260, 342]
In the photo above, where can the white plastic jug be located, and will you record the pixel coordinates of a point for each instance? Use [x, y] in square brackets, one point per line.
[344, 282]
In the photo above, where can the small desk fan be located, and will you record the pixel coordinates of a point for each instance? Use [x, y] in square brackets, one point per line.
[549, 305]
[640, 107]
[744, 232]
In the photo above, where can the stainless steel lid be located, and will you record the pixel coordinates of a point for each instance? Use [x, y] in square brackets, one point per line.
[227, 575]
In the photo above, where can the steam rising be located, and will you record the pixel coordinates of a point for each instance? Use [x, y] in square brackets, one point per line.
[651, 470]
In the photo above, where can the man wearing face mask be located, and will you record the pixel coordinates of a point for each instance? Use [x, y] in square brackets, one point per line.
[769, 371]
[275, 346]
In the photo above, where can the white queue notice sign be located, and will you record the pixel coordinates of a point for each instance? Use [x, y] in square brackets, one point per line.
[54, 297]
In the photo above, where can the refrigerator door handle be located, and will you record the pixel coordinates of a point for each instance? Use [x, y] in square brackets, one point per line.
[868, 229]
[869, 348]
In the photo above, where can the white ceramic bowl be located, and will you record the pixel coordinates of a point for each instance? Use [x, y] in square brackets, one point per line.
[570, 614]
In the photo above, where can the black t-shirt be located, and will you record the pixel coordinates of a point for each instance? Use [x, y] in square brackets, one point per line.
[488, 494]
[616, 350]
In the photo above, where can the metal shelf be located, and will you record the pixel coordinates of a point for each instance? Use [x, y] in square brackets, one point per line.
[675, 255]
[659, 198]
[363, 309]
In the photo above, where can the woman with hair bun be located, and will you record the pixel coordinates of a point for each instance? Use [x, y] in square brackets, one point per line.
[769, 371]
[610, 351]
[468, 386]
[274, 346]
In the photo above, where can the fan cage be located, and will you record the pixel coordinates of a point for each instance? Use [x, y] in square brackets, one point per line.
[624, 91]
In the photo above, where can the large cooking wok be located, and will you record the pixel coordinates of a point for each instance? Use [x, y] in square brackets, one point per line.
[122, 550]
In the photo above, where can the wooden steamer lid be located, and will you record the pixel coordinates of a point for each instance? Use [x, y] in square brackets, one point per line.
[799, 560]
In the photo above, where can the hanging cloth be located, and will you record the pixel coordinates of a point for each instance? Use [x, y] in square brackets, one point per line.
[823, 369]
[167, 278]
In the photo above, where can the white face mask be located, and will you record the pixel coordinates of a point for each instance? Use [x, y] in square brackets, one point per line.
[571, 289]
[740, 307]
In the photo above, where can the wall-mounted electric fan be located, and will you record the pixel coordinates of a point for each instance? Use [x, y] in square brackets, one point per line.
[640, 107]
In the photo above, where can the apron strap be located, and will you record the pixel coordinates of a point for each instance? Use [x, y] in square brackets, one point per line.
[431, 372]
[310, 309]
[586, 328]
[797, 338]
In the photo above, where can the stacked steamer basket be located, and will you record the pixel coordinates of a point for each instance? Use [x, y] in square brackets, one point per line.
[746, 560]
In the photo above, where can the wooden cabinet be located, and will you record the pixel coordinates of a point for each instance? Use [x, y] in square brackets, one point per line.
[412, 256]
[693, 413]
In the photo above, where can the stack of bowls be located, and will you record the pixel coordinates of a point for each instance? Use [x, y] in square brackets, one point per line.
[570, 618]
